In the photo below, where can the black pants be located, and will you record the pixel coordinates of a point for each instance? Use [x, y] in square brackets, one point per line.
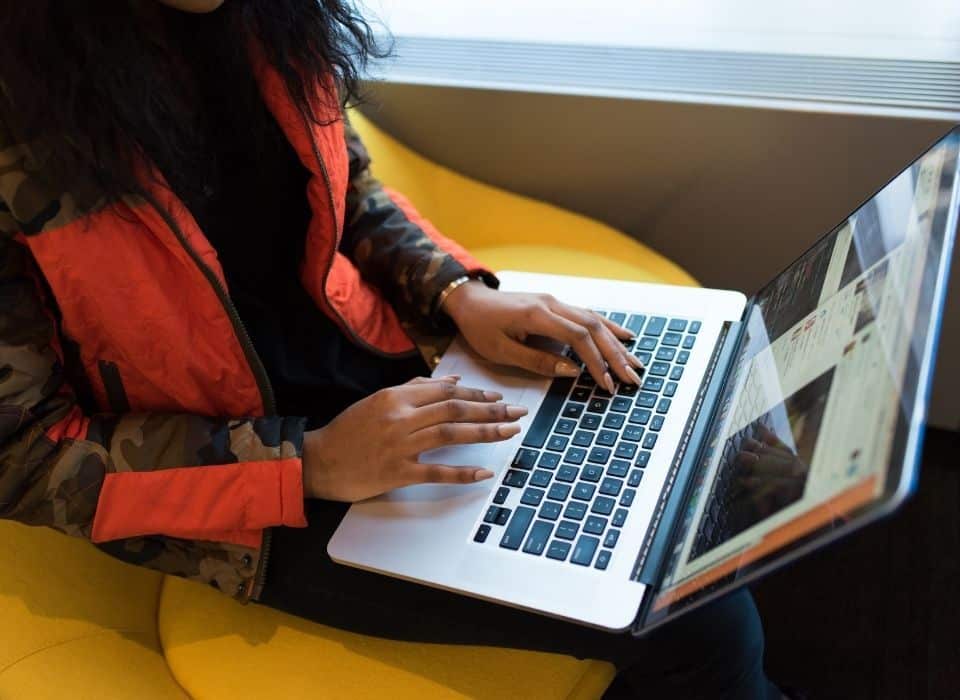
[715, 652]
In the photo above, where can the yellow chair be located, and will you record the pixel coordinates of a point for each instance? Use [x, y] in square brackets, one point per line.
[77, 624]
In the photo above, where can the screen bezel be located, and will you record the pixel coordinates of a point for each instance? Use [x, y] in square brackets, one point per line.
[908, 432]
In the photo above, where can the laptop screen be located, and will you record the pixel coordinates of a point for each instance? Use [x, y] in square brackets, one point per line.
[819, 422]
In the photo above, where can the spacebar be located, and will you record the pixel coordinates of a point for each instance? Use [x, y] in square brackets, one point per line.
[547, 415]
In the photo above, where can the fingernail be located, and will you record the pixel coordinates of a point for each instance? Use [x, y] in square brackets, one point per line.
[565, 369]
[508, 429]
[492, 395]
[634, 377]
[482, 474]
[516, 411]
[608, 383]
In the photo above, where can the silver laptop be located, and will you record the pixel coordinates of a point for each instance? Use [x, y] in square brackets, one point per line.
[764, 428]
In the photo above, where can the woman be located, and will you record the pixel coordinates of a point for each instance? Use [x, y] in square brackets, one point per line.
[206, 297]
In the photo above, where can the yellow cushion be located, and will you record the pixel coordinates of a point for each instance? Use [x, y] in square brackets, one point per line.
[219, 649]
[73, 618]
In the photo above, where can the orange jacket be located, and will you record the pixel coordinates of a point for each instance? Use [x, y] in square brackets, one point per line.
[137, 413]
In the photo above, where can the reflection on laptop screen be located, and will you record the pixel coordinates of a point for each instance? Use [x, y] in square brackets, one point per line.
[814, 421]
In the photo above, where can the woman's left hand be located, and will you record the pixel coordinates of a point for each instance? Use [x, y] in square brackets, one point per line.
[496, 325]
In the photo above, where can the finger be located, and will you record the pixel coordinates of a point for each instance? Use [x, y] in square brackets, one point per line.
[619, 331]
[614, 354]
[443, 474]
[446, 378]
[576, 336]
[547, 364]
[461, 411]
[424, 393]
[445, 434]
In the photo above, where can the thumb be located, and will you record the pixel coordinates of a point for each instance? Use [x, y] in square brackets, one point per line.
[537, 361]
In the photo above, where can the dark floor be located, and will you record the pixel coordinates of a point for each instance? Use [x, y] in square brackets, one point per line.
[877, 615]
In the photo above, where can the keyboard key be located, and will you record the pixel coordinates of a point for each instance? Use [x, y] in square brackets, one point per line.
[640, 416]
[550, 511]
[525, 459]
[676, 373]
[659, 369]
[517, 529]
[532, 497]
[558, 550]
[694, 327]
[557, 443]
[657, 422]
[611, 539]
[626, 450]
[565, 426]
[515, 478]
[599, 455]
[575, 510]
[547, 413]
[571, 410]
[645, 400]
[549, 460]
[619, 517]
[584, 550]
[627, 390]
[689, 341]
[650, 441]
[642, 459]
[603, 559]
[621, 404]
[581, 394]
[540, 478]
[598, 405]
[567, 530]
[617, 317]
[670, 389]
[591, 472]
[559, 492]
[635, 323]
[583, 491]
[633, 433]
[663, 406]
[671, 339]
[618, 467]
[655, 326]
[567, 473]
[644, 357]
[482, 533]
[603, 505]
[599, 393]
[496, 514]
[683, 356]
[595, 525]
[607, 438]
[575, 455]
[647, 344]
[635, 476]
[678, 325]
[652, 384]
[501, 495]
[600, 312]
[590, 421]
[611, 487]
[586, 379]
[583, 438]
[539, 534]
[666, 354]
[626, 499]
[613, 421]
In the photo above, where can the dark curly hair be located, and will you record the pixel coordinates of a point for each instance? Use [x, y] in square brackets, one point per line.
[91, 79]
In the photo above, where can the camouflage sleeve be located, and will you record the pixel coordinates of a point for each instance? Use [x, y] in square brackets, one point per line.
[398, 250]
[57, 464]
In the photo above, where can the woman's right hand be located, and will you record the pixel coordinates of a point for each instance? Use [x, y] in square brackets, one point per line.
[373, 446]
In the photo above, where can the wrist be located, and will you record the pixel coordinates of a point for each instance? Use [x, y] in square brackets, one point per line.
[458, 299]
[311, 460]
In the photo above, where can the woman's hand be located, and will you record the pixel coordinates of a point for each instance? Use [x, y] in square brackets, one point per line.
[496, 324]
[373, 446]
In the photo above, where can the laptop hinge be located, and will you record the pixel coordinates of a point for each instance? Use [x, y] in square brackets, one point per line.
[655, 547]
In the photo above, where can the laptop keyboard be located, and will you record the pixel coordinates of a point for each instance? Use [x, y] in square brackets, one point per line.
[570, 487]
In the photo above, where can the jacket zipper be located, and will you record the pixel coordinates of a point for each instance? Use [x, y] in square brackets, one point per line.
[253, 359]
[341, 322]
